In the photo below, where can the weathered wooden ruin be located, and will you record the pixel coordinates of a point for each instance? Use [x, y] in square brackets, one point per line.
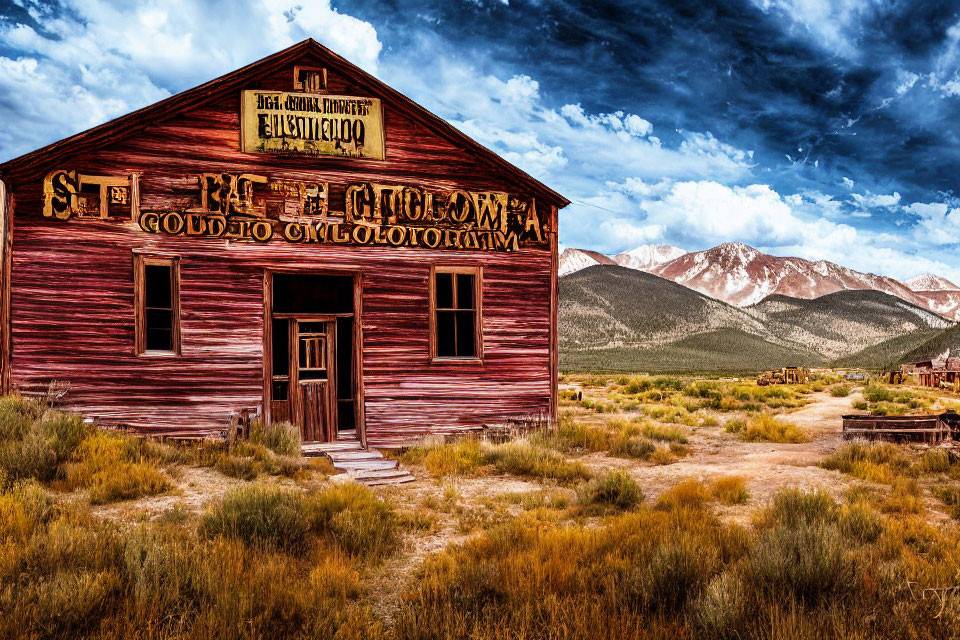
[294, 240]
[785, 375]
[926, 429]
[936, 374]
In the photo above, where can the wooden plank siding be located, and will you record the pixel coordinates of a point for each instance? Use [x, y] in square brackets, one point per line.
[6, 255]
[74, 321]
[72, 283]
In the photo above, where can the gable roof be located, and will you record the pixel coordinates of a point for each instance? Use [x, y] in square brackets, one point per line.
[134, 121]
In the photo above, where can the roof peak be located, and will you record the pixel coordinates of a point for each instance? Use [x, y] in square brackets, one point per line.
[42, 159]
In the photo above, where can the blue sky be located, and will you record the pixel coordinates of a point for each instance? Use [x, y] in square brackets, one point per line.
[824, 129]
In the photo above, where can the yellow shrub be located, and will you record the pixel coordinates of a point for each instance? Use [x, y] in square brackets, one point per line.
[690, 493]
[730, 489]
[463, 457]
[766, 428]
[109, 467]
[662, 455]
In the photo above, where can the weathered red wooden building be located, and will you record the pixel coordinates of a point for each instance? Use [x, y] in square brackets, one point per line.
[294, 239]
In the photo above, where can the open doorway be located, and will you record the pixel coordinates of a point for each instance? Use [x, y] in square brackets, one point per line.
[314, 373]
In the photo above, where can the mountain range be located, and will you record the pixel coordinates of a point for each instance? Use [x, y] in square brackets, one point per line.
[619, 318]
[740, 275]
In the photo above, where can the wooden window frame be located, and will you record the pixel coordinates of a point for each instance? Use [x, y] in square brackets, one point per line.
[140, 263]
[477, 273]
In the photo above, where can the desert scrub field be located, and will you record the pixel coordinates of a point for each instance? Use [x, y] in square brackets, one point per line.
[896, 400]
[261, 562]
[576, 531]
[808, 567]
[678, 399]
[550, 453]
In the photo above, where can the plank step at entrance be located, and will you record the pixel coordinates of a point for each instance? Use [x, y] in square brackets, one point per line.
[366, 466]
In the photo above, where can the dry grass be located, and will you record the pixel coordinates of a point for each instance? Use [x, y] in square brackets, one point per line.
[247, 460]
[811, 569]
[766, 428]
[64, 574]
[36, 441]
[689, 494]
[347, 515]
[730, 490]
[469, 456]
[886, 463]
[280, 437]
[113, 468]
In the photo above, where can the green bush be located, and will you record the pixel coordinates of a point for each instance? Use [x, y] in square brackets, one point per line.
[874, 393]
[841, 391]
[615, 489]
[34, 441]
[282, 438]
[632, 447]
[261, 516]
[793, 507]
[807, 561]
[637, 385]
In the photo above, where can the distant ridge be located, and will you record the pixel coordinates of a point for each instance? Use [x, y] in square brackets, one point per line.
[741, 275]
[615, 318]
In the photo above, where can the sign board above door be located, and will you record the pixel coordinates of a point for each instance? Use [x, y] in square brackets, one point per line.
[312, 124]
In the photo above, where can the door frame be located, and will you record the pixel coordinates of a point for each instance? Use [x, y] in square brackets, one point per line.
[295, 392]
[357, 339]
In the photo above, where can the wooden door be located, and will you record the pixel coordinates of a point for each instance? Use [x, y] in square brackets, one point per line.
[313, 384]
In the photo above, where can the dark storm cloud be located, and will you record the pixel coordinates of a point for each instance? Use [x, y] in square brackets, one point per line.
[753, 78]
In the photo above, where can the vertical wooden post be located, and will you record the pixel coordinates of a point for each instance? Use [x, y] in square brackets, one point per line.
[554, 303]
[267, 414]
[358, 400]
[6, 266]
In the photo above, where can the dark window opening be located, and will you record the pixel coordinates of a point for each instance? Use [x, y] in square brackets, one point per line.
[456, 310]
[345, 409]
[305, 293]
[281, 360]
[157, 291]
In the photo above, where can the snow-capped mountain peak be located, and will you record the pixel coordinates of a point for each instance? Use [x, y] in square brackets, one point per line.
[572, 260]
[648, 256]
[930, 282]
[643, 258]
[739, 274]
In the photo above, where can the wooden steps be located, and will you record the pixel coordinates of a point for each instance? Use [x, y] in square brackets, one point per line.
[366, 466]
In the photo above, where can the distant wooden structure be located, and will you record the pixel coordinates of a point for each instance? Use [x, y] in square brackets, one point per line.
[927, 429]
[294, 240]
[786, 375]
[936, 374]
